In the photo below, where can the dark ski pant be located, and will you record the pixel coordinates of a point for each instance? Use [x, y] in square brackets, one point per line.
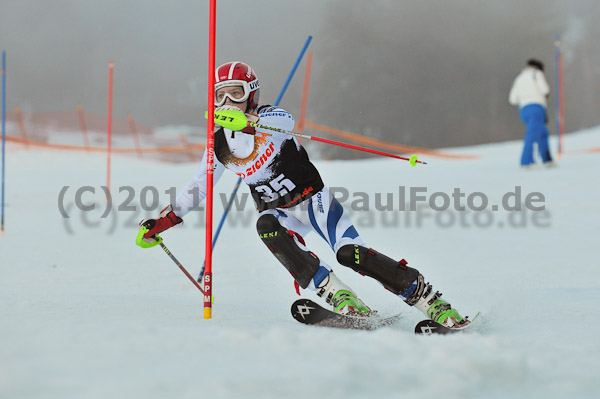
[534, 118]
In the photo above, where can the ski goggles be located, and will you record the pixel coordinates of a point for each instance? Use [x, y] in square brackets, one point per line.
[237, 96]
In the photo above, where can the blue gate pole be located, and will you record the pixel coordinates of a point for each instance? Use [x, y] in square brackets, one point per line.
[3, 133]
[239, 181]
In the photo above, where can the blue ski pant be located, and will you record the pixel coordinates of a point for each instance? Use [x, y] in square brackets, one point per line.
[534, 118]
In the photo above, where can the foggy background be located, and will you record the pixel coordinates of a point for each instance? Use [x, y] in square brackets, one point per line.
[433, 74]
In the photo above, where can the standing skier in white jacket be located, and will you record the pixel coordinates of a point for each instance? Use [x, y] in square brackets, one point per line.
[529, 91]
[293, 201]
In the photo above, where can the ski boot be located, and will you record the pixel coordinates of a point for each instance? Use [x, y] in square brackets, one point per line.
[443, 313]
[346, 302]
[437, 309]
[341, 297]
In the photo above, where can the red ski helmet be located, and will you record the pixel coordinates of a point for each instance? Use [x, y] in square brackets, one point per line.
[238, 74]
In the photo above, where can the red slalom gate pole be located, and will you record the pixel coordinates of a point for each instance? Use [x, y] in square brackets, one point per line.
[111, 68]
[305, 91]
[210, 151]
[134, 133]
[83, 126]
[19, 115]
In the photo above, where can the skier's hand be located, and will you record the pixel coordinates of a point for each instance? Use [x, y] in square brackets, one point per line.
[146, 242]
[149, 228]
[251, 118]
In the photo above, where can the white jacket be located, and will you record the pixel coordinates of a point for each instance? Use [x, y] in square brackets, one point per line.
[530, 87]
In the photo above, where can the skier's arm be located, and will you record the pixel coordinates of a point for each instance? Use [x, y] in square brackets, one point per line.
[277, 118]
[542, 83]
[190, 197]
[194, 191]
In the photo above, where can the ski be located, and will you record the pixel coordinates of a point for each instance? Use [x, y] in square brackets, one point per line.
[311, 313]
[430, 327]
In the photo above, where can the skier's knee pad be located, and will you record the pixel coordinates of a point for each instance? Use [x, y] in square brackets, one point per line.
[266, 224]
[301, 264]
[395, 276]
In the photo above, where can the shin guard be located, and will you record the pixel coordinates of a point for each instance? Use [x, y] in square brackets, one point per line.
[302, 264]
[395, 276]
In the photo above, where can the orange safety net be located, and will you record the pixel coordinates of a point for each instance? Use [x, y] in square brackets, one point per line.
[68, 147]
[75, 130]
[588, 150]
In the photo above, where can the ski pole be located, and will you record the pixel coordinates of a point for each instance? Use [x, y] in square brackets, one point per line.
[174, 259]
[236, 120]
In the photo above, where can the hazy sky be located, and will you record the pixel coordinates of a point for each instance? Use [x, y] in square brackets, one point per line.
[424, 73]
[58, 51]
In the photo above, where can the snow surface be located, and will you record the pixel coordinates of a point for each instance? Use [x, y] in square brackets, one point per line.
[87, 314]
